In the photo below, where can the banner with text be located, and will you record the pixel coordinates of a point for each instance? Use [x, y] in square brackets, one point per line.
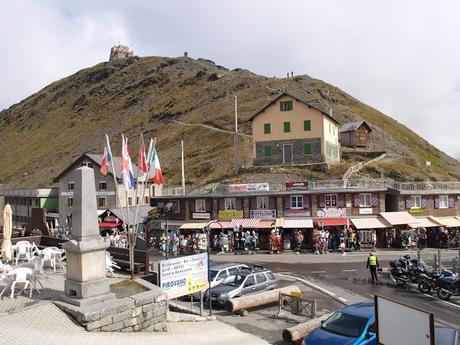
[249, 187]
[184, 276]
[231, 214]
[263, 214]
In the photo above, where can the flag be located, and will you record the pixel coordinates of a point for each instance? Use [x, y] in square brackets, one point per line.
[126, 165]
[142, 160]
[107, 158]
[154, 164]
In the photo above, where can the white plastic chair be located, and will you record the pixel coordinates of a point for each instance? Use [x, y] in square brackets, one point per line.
[49, 255]
[23, 249]
[110, 265]
[22, 277]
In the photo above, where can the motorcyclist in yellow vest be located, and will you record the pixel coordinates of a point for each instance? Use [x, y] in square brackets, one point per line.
[373, 264]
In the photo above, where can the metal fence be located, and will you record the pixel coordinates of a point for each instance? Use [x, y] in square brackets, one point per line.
[441, 259]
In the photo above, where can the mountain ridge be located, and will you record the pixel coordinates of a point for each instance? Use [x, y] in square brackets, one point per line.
[45, 132]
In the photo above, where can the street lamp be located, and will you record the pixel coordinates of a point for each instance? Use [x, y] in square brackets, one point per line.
[207, 230]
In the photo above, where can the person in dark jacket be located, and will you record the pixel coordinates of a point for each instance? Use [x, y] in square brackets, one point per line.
[373, 264]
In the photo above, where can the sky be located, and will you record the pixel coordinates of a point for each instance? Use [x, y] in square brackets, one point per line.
[401, 57]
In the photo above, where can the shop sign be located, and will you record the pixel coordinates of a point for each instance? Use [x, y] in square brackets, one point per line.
[296, 185]
[249, 187]
[231, 214]
[105, 193]
[365, 210]
[67, 193]
[263, 214]
[184, 276]
[416, 211]
[331, 212]
[197, 215]
[297, 213]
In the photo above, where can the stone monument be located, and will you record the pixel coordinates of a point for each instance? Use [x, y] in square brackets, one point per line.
[86, 282]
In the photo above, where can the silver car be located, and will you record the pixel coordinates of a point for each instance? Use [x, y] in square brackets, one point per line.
[244, 282]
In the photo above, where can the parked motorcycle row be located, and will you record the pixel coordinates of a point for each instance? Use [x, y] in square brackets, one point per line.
[405, 270]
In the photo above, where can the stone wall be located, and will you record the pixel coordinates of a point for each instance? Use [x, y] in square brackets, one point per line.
[145, 311]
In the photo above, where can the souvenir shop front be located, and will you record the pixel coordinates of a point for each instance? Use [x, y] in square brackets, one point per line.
[296, 234]
[370, 231]
[397, 235]
[447, 234]
[335, 227]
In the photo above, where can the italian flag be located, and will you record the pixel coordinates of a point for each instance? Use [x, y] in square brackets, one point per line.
[154, 165]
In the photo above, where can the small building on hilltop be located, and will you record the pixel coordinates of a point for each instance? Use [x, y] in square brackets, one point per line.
[289, 130]
[120, 52]
[356, 134]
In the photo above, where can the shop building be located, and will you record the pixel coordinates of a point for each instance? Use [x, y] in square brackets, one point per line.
[23, 200]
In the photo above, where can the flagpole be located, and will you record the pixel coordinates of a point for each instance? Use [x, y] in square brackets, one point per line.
[136, 215]
[129, 232]
[147, 176]
[183, 168]
[114, 174]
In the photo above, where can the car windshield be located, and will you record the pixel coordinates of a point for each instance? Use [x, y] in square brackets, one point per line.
[350, 326]
[235, 280]
[213, 274]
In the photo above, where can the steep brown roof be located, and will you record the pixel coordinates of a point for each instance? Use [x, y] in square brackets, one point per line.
[307, 103]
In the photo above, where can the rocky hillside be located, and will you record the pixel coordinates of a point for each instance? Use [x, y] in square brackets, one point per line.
[183, 98]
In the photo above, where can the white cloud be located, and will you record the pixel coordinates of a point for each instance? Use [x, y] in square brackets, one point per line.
[398, 56]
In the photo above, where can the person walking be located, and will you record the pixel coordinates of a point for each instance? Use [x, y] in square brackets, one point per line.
[373, 264]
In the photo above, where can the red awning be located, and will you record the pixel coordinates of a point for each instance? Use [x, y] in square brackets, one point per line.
[108, 225]
[331, 221]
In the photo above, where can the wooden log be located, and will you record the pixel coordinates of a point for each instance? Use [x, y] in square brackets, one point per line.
[297, 333]
[258, 299]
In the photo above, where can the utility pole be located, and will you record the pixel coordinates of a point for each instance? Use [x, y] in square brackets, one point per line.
[183, 168]
[235, 137]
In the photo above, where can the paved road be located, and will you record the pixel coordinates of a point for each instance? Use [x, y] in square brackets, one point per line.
[346, 279]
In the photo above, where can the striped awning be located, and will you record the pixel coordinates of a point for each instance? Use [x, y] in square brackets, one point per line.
[370, 223]
[424, 222]
[192, 226]
[225, 225]
[399, 218]
[266, 224]
[247, 223]
[450, 222]
[298, 223]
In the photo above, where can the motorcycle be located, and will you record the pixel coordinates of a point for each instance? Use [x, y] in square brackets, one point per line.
[398, 274]
[448, 286]
[429, 281]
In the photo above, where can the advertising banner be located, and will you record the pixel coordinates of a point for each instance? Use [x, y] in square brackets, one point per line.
[331, 212]
[231, 214]
[184, 276]
[296, 185]
[249, 187]
[365, 210]
[199, 215]
[297, 213]
[263, 214]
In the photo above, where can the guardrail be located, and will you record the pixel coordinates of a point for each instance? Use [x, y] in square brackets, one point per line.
[320, 185]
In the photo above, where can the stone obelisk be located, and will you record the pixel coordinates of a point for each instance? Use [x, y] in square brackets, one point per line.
[86, 282]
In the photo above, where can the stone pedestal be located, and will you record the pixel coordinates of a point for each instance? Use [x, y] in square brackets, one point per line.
[86, 282]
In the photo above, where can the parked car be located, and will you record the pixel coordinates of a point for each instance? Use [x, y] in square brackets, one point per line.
[244, 282]
[351, 325]
[218, 273]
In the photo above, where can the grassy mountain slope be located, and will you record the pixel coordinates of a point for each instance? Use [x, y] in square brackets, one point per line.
[157, 96]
